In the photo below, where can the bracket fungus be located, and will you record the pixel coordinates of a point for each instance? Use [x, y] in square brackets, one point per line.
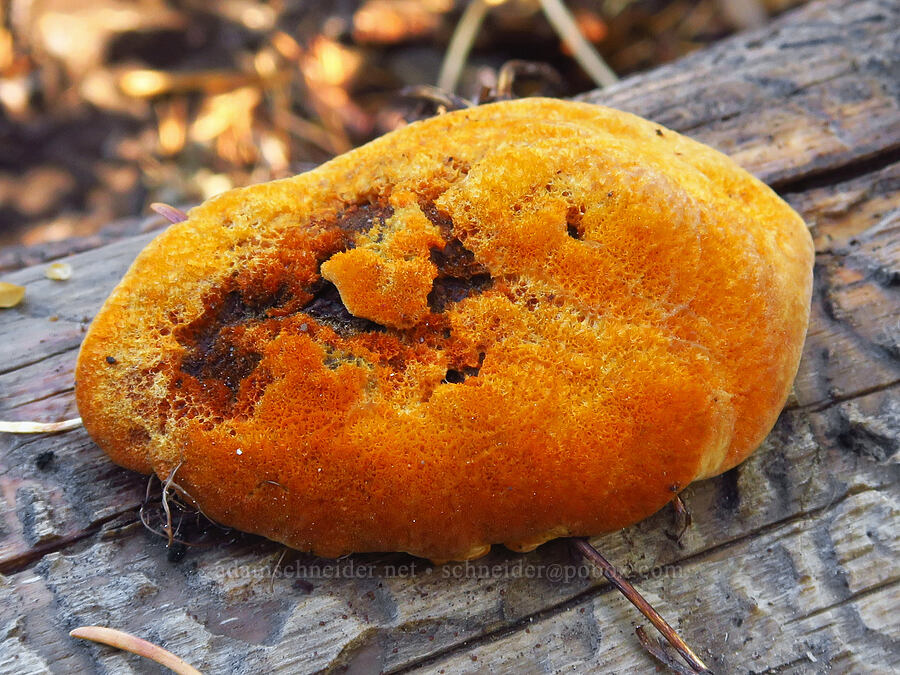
[505, 324]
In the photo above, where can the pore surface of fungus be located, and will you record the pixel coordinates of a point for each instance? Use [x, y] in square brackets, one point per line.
[505, 324]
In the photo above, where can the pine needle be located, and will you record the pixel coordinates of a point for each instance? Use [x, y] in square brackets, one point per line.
[39, 427]
[135, 645]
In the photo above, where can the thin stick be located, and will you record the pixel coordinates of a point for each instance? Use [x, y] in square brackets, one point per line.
[744, 14]
[461, 44]
[636, 599]
[135, 645]
[307, 131]
[583, 51]
[171, 484]
[144, 504]
[39, 427]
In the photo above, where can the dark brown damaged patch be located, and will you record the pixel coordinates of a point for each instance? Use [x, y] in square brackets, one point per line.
[449, 290]
[362, 217]
[215, 348]
[220, 369]
[459, 273]
[222, 345]
[218, 348]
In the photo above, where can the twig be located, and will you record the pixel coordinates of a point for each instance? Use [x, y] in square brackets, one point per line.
[636, 599]
[141, 513]
[559, 17]
[437, 96]
[135, 645]
[461, 44]
[305, 130]
[147, 83]
[39, 427]
[194, 505]
[582, 50]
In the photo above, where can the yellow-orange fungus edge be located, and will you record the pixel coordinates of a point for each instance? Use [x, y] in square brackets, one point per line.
[506, 324]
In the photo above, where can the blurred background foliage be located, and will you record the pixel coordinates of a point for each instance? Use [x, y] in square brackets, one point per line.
[109, 105]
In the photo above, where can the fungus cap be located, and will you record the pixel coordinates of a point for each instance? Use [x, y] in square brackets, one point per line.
[510, 323]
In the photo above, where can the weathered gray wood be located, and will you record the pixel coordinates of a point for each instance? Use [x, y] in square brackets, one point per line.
[791, 565]
[23, 255]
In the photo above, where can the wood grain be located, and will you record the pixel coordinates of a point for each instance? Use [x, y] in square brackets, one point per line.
[790, 566]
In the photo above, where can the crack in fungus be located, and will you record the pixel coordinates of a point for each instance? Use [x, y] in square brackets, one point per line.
[459, 273]
[574, 224]
[456, 376]
[327, 308]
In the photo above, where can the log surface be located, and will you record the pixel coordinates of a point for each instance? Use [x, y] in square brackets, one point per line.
[791, 564]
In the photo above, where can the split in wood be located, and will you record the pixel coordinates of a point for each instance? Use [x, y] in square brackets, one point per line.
[135, 645]
[636, 599]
